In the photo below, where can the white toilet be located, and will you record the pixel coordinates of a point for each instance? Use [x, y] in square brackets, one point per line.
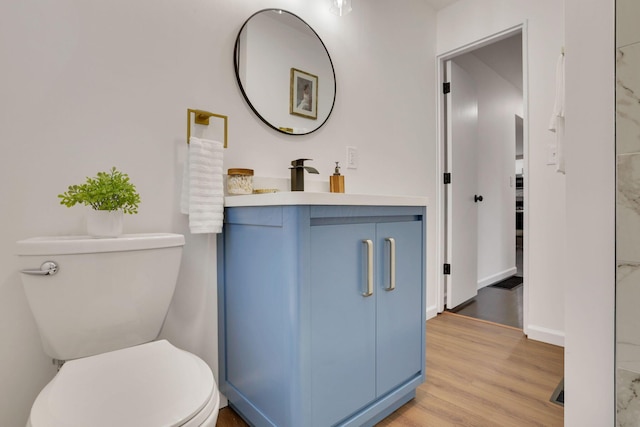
[99, 304]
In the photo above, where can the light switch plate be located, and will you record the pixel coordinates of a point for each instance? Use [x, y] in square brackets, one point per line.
[552, 154]
[352, 157]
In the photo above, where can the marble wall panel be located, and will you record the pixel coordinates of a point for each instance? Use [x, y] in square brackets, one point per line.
[627, 28]
[627, 403]
[628, 98]
[628, 208]
[628, 213]
[628, 320]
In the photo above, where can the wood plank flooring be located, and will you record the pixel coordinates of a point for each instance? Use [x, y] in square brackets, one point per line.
[478, 374]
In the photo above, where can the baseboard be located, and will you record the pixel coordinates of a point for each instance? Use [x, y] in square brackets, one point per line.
[549, 336]
[432, 312]
[497, 277]
[224, 402]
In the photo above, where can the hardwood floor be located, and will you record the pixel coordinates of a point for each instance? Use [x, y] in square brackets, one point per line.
[482, 374]
[478, 374]
[228, 418]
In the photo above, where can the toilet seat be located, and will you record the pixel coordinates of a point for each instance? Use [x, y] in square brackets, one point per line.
[153, 384]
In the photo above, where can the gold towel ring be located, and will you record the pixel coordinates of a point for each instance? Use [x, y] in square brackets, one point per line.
[202, 118]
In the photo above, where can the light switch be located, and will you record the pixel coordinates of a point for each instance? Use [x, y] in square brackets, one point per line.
[552, 154]
[352, 157]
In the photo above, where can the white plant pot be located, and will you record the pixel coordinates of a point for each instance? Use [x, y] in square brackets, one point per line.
[104, 223]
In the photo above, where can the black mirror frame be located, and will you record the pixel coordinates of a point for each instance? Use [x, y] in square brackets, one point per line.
[246, 97]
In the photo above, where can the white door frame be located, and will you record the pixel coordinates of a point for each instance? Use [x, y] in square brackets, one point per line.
[441, 164]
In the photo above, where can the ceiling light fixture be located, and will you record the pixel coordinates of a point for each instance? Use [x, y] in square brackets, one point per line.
[340, 7]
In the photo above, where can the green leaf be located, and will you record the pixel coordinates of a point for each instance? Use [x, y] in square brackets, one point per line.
[109, 191]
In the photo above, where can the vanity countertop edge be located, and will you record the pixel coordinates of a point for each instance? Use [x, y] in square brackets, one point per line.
[292, 198]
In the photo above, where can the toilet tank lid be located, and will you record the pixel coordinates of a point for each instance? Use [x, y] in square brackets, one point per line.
[67, 245]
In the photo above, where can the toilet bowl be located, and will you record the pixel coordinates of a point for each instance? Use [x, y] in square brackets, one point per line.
[101, 310]
[154, 384]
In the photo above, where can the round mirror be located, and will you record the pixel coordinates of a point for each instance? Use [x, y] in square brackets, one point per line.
[284, 72]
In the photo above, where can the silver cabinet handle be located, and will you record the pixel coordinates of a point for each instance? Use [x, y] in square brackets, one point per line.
[369, 291]
[392, 263]
[48, 268]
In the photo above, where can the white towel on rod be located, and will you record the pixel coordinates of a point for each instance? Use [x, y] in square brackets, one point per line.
[556, 124]
[202, 190]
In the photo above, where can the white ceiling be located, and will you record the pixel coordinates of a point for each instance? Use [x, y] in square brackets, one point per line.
[440, 4]
[505, 57]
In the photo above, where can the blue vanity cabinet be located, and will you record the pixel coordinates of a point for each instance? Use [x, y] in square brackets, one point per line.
[310, 332]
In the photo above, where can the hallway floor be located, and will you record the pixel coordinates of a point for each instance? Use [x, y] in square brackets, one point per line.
[502, 306]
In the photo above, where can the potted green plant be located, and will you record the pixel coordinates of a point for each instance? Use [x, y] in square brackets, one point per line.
[110, 195]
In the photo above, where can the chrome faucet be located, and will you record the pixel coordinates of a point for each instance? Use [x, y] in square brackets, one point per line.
[297, 174]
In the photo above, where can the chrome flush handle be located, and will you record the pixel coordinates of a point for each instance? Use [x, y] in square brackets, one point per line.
[48, 268]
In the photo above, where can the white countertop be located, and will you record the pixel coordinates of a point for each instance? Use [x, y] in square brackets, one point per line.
[289, 198]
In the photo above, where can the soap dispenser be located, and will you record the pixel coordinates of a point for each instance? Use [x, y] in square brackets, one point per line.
[336, 181]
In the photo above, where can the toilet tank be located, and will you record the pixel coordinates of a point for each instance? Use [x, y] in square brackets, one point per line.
[107, 294]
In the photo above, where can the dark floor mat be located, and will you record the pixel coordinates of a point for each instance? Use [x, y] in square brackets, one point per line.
[558, 395]
[508, 283]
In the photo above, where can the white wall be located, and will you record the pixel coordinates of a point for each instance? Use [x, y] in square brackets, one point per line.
[463, 23]
[88, 85]
[498, 103]
[590, 166]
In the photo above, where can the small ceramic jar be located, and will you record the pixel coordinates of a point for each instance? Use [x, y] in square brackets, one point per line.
[240, 181]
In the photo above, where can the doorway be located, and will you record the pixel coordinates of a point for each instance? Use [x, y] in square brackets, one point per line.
[483, 147]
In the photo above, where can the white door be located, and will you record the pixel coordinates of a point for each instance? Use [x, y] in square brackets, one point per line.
[462, 216]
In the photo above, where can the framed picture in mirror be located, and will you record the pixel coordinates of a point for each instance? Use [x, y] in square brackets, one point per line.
[303, 94]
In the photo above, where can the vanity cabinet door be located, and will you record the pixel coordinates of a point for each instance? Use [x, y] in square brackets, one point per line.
[343, 335]
[399, 304]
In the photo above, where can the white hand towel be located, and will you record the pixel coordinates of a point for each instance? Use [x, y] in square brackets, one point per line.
[556, 123]
[202, 191]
